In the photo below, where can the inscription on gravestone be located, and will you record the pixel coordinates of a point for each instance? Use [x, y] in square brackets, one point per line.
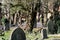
[18, 34]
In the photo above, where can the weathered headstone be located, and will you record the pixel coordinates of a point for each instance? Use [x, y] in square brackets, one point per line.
[18, 34]
[44, 34]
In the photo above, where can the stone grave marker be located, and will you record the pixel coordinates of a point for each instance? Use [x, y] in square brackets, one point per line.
[44, 34]
[18, 34]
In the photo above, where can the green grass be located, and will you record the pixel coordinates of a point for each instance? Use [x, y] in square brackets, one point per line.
[32, 36]
[6, 36]
[29, 36]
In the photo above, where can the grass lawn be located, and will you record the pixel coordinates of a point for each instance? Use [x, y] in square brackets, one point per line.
[6, 36]
[29, 36]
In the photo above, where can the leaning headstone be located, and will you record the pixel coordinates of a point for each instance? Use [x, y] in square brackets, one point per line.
[18, 34]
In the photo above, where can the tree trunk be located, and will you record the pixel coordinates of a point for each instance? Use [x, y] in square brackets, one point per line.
[19, 19]
[15, 18]
[0, 16]
[33, 20]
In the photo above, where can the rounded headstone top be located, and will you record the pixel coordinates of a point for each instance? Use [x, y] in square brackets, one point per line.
[18, 34]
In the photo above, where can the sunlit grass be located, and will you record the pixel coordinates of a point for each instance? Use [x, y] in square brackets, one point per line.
[29, 36]
[32, 36]
[6, 36]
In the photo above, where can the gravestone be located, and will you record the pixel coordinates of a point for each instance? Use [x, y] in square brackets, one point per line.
[18, 34]
[44, 34]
